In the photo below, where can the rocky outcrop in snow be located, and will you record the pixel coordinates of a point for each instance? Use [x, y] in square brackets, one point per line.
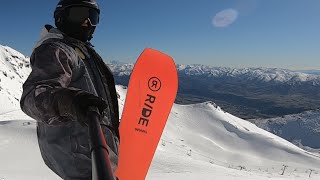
[14, 69]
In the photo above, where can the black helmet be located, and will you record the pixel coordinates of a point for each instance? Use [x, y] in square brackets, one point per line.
[66, 21]
[63, 4]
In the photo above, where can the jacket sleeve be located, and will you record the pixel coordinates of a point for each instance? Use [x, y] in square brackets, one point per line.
[46, 96]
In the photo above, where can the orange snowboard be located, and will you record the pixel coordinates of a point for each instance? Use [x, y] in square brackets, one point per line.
[152, 90]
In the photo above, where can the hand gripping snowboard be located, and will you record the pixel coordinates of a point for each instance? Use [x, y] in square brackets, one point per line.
[152, 90]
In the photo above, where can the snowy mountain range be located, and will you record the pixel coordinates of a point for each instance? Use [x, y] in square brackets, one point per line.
[243, 74]
[200, 141]
[246, 92]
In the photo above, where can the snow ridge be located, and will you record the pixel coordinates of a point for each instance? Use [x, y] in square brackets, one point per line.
[302, 129]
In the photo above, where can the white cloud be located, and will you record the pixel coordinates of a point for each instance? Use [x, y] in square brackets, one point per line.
[225, 18]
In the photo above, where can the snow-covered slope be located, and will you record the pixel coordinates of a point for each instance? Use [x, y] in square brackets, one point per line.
[245, 74]
[200, 141]
[301, 129]
[14, 69]
[205, 134]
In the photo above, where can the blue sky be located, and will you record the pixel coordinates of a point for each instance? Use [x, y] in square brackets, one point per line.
[261, 33]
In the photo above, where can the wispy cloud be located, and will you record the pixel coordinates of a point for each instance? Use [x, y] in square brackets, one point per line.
[225, 18]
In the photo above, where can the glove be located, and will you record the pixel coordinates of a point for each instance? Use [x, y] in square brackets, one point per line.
[73, 104]
[81, 103]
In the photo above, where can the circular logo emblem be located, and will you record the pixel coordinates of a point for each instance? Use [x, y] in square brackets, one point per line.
[154, 84]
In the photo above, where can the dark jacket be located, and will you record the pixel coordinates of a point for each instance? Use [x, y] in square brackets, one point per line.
[62, 66]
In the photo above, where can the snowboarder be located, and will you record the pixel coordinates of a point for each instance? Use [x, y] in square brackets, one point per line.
[67, 77]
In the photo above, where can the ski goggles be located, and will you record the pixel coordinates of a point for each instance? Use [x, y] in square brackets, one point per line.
[80, 14]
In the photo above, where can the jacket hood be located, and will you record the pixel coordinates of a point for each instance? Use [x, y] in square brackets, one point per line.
[48, 32]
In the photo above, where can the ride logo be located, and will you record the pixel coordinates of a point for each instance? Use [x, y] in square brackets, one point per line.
[154, 85]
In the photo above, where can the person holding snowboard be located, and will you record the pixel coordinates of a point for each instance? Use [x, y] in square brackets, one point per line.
[68, 76]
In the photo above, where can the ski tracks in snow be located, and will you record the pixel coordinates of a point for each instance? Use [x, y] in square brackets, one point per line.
[6, 112]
